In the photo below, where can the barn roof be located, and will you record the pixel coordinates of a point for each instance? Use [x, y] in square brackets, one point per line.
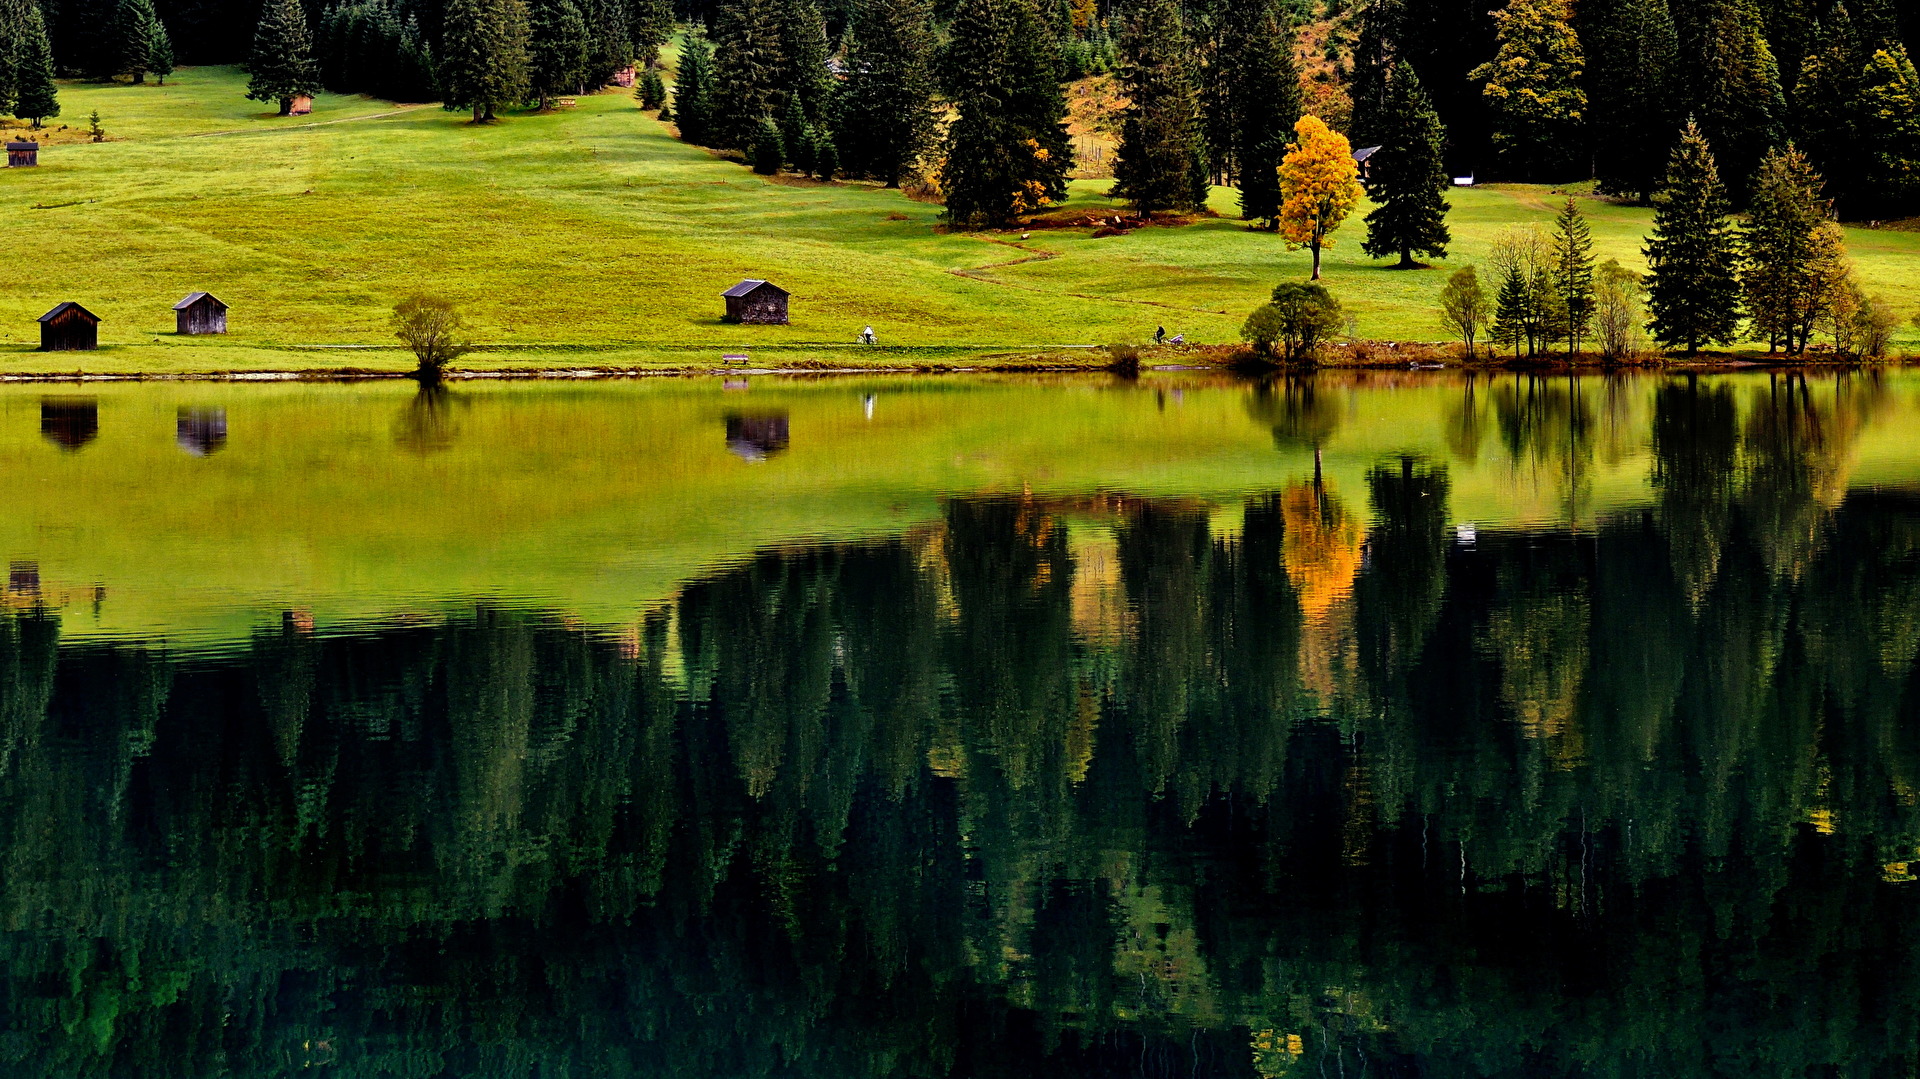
[1364, 153]
[61, 309]
[194, 298]
[752, 285]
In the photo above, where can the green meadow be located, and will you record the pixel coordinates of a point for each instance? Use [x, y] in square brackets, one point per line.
[589, 237]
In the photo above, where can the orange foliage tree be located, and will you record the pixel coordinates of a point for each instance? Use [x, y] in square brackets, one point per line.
[1319, 187]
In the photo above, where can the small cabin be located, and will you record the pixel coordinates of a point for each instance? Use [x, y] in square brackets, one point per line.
[200, 312]
[301, 105]
[1362, 159]
[624, 77]
[758, 303]
[23, 155]
[69, 328]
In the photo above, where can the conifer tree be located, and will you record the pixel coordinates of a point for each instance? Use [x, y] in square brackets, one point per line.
[413, 77]
[747, 64]
[1826, 102]
[1007, 150]
[483, 63]
[649, 24]
[34, 95]
[1319, 187]
[1263, 99]
[1533, 86]
[1693, 288]
[1794, 258]
[652, 91]
[1572, 274]
[609, 46]
[1735, 86]
[159, 51]
[1630, 76]
[1376, 47]
[803, 70]
[1406, 177]
[767, 151]
[557, 53]
[1890, 132]
[693, 91]
[135, 30]
[1512, 311]
[1160, 162]
[281, 66]
[884, 119]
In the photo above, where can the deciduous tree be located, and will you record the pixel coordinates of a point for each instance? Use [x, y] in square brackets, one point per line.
[1318, 186]
[1794, 258]
[1533, 87]
[1463, 306]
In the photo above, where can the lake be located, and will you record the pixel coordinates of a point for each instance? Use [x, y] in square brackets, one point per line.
[1396, 724]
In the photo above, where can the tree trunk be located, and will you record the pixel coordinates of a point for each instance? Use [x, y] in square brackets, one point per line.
[1316, 260]
[478, 110]
[286, 106]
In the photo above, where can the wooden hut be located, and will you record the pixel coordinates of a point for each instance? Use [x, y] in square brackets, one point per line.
[301, 105]
[624, 77]
[1362, 160]
[69, 328]
[756, 302]
[200, 312]
[23, 155]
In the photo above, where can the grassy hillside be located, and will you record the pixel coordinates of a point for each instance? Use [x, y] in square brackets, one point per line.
[590, 236]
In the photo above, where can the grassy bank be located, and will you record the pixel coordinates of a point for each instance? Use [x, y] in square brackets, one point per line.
[588, 237]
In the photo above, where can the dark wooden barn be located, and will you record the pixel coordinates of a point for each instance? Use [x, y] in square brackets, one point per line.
[200, 312]
[23, 155]
[1363, 161]
[759, 303]
[69, 328]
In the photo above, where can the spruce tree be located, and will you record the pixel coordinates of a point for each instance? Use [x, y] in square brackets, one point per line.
[135, 28]
[159, 52]
[281, 66]
[1007, 151]
[34, 95]
[483, 63]
[1512, 311]
[1160, 151]
[649, 24]
[767, 151]
[1263, 98]
[1890, 133]
[557, 49]
[1407, 176]
[884, 118]
[1735, 88]
[747, 65]
[1375, 48]
[803, 70]
[1630, 79]
[693, 91]
[413, 77]
[652, 91]
[1693, 258]
[1572, 273]
[609, 44]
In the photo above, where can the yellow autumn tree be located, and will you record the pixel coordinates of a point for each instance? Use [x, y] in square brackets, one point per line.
[1319, 187]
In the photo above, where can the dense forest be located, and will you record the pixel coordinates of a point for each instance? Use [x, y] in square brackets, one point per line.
[1545, 90]
[1129, 783]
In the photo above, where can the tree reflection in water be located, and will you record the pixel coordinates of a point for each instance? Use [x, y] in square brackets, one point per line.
[1086, 786]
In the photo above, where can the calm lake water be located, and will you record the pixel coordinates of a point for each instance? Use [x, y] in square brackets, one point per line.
[1380, 726]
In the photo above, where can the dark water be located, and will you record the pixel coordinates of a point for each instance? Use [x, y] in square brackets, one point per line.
[1299, 780]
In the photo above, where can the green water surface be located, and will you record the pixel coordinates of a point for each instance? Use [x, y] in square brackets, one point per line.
[1389, 725]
